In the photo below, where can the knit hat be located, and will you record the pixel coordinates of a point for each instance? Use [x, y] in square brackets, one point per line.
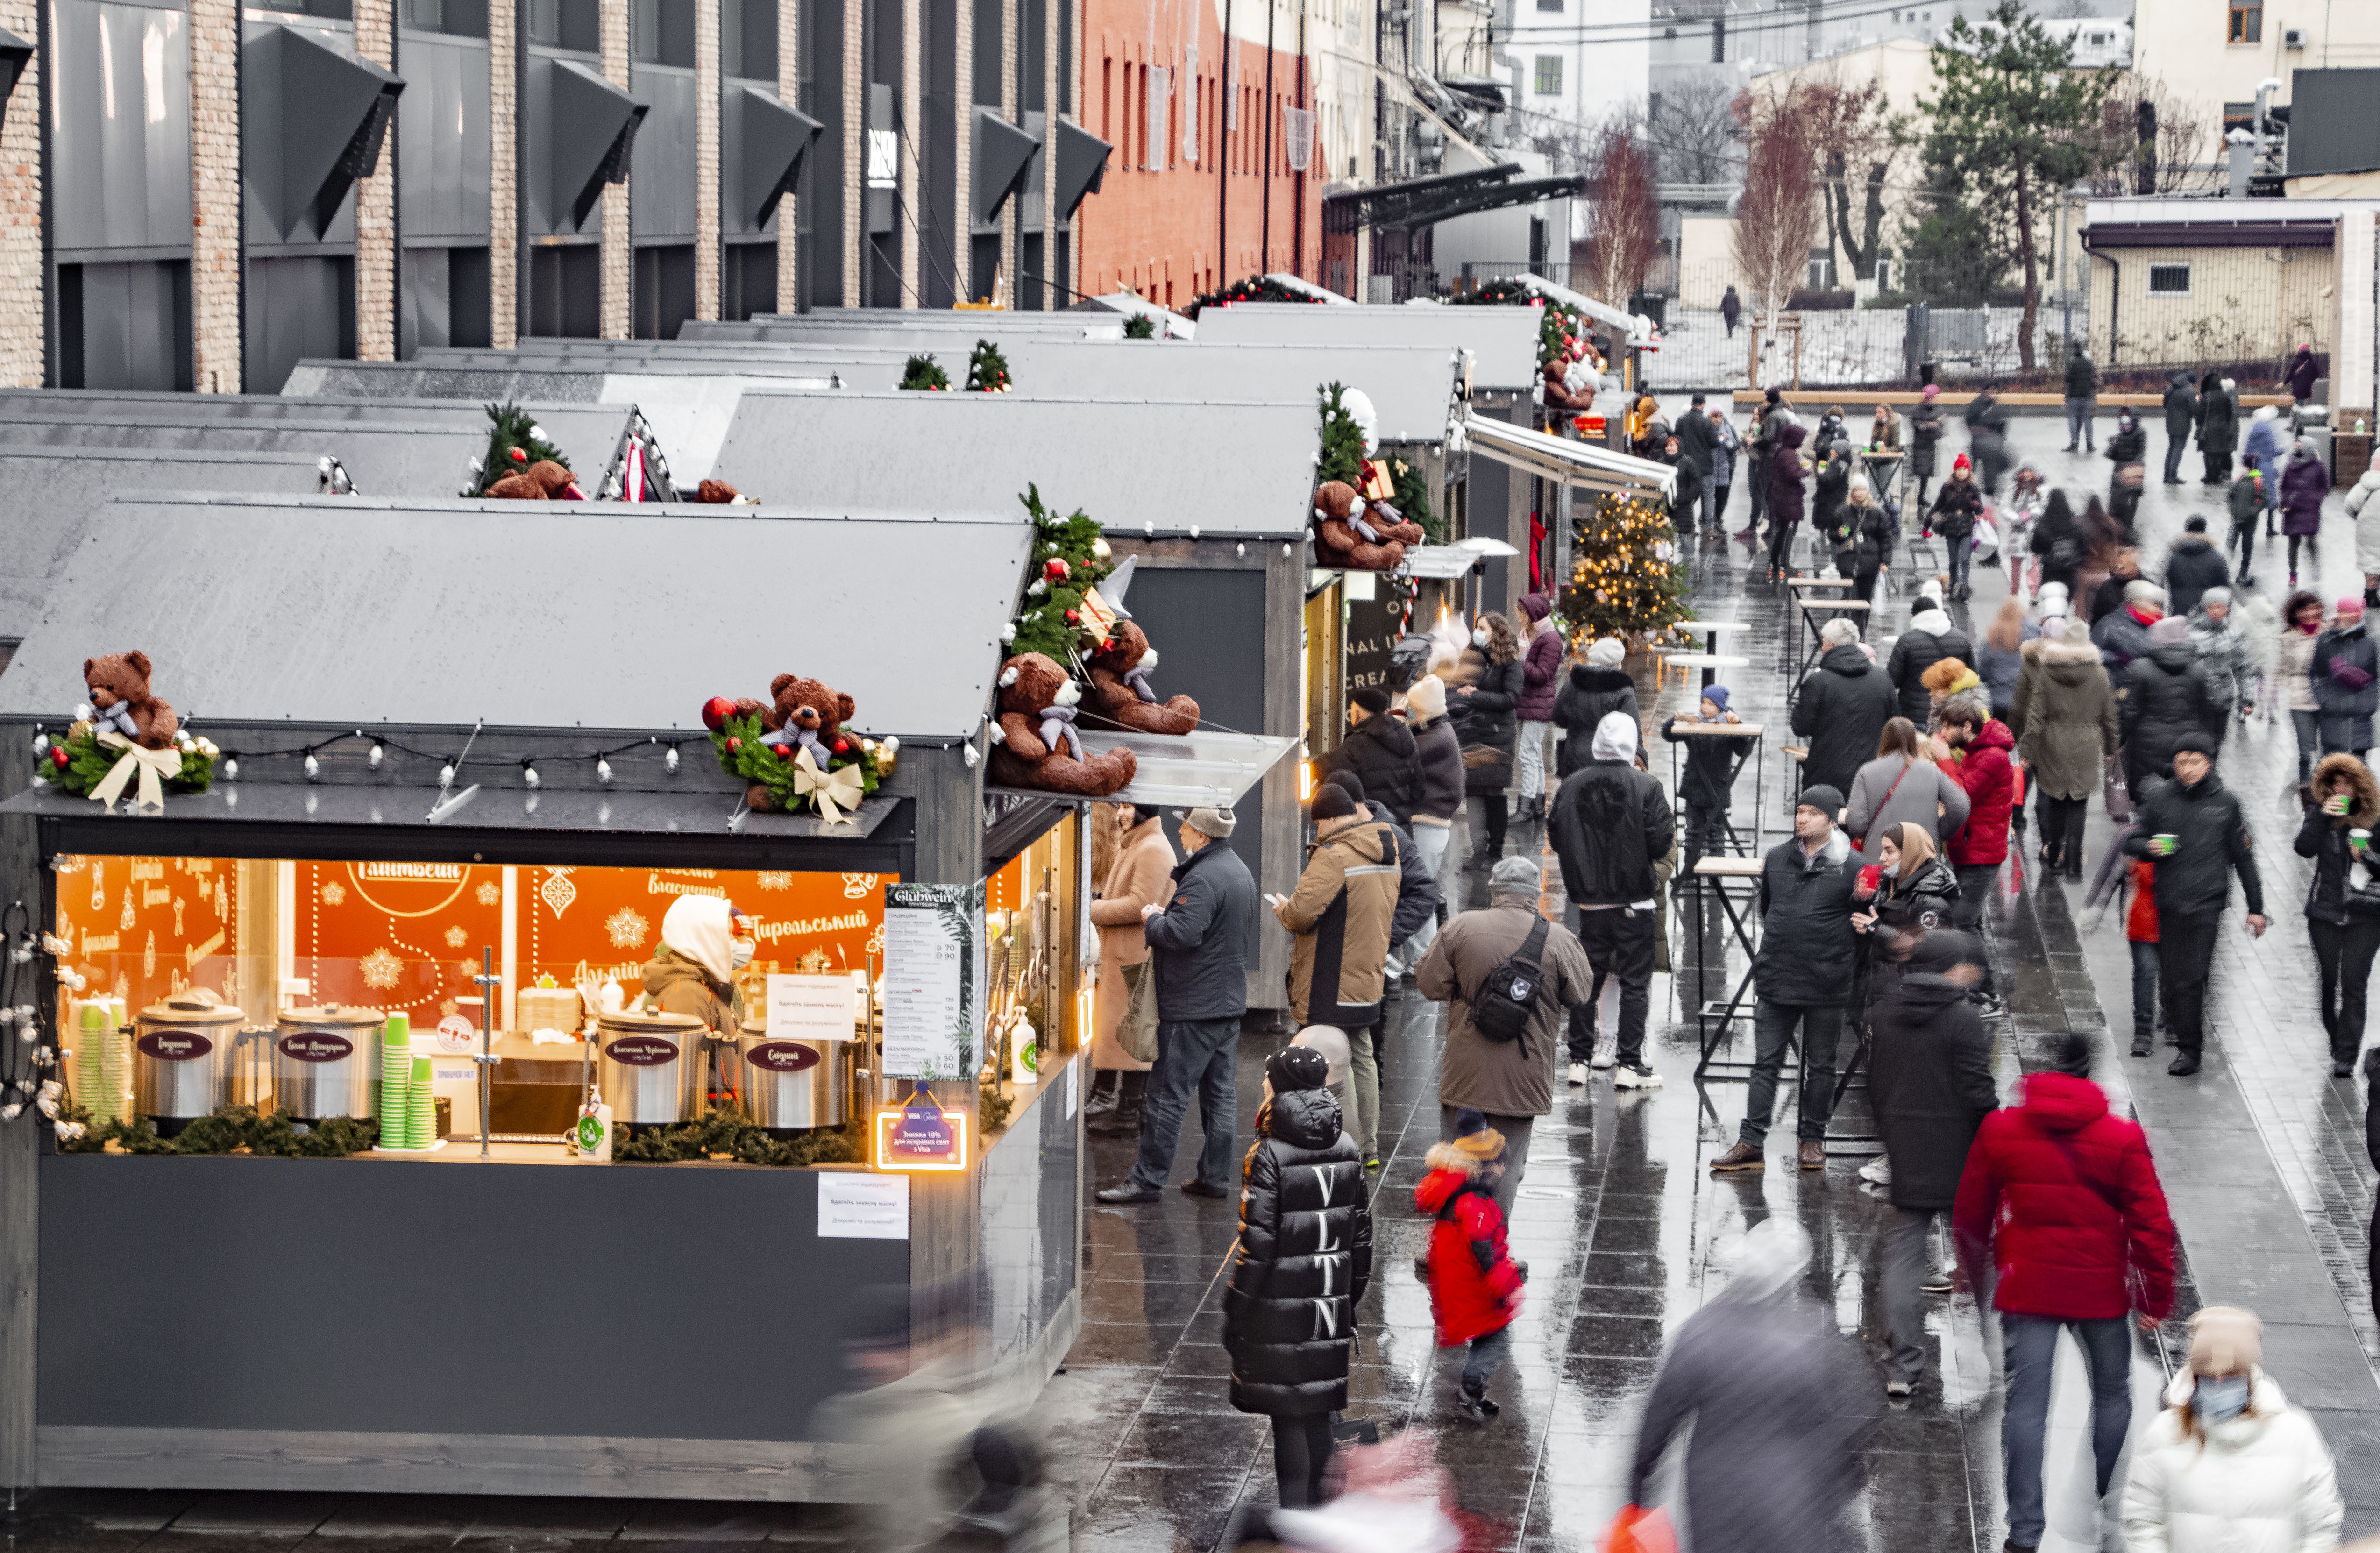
[2172, 629]
[2349, 605]
[1717, 695]
[1961, 463]
[1536, 606]
[2215, 596]
[1349, 783]
[1426, 699]
[1332, 802]
[1942, 949]
[2224, 1340]
[1516, 873]
[2194, 742]
[1218, 823]
[1607, 652]
[1372, 699]
[1297, 1067]
[1829, 800]
[2054, 625]
[2140, 590]
[1929, 393]
[1475, 1137]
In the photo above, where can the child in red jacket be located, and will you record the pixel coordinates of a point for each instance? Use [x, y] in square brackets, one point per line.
[1974, 750]
[1474, 1285]
[2140, 931]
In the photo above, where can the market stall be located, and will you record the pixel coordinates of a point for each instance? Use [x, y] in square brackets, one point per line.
[420, 844]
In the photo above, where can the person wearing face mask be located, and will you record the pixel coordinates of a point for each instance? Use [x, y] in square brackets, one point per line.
[2230, 1465]
[705, 942]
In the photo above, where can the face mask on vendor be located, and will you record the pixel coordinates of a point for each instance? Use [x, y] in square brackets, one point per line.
[740, 954]
[741, 947]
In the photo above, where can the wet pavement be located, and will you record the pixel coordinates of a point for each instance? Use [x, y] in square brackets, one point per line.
[1625, 1231]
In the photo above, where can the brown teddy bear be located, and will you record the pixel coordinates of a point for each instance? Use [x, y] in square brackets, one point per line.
[1035, 744]
[802, 713]
[716, 492]
[541, 481]
[1120, 689]
[1351, 540]
[119, 696]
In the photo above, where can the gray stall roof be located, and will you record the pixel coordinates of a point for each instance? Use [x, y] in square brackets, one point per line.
[1411, 386]
[1503, 341]
[386, 450]
[956, 321]
[332, 610]
[1227, 468]
[920, 330]
[47, 496]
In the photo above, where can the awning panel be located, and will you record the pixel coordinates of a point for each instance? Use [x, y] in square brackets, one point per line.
[1580, 465]
[1184, 771]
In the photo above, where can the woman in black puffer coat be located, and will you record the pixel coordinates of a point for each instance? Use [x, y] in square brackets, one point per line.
[1485, 705]
[1913, 900]
[1303, 1257]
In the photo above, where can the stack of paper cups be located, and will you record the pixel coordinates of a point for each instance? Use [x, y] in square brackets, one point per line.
[395, 1080]
[420, 1107]
[99, 1053]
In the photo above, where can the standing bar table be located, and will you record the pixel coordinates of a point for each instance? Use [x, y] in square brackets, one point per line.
[1710, 663]
[1811, 609]
[1805, 588]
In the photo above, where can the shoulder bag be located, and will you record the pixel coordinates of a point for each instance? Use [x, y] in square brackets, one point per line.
[1500, 1010]
[1859, 843]
[1136, 1031]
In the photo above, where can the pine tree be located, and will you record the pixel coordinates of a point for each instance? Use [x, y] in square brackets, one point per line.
[1141, 326]
[924, 372]
[987, 370]
[1624, 577]
[512, 429]
[1342, 441]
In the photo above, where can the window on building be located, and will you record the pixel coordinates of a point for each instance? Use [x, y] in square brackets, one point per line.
[1550, 5]
[2247, 24]
[2169, 280]
[1549, 75]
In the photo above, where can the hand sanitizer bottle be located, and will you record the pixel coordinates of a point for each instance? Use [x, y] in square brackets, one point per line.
[594, 1133]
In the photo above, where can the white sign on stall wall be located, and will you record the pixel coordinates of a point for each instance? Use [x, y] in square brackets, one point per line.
[809, 1008]
[857, 1206]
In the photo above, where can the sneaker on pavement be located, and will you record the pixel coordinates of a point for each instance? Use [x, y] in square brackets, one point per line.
[1898, 1391]
[2183, 1066]
[1991, 1005]
[2143, 1043]
[1577, 1074]
[1477, 1409]
[1636, 1078]
[1935, 1282]
[1878, 1170]
[1604, 1057]
[1742, 1157]
[1814, 1155]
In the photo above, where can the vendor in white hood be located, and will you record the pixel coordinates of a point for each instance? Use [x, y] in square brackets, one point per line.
[2229, 1466]
[705, 942]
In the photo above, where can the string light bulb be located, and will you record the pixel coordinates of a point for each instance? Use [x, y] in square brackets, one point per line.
[529, 776]
[313, 769]
[231, 768]
[377, 755]
[603, 769]
[446, 776]
[668, 761]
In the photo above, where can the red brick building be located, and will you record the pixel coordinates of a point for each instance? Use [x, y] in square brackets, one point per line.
[1201, 187]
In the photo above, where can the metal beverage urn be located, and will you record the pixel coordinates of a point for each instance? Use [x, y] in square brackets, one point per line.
[183, 1052]
[327, 1062]
[654, 1065]
[787, 1085]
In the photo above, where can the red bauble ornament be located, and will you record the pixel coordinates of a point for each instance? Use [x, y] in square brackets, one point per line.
[1056, 570]
[843, 746]
[58, 756]
[717, 710]
[734, 746]
[516, 455]
[1074, 617]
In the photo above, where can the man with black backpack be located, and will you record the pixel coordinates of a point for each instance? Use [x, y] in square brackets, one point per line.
[1611, 823]
[1505, 974]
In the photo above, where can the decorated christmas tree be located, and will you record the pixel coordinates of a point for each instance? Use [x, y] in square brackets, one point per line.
[1624, 577]
[987, 370]
[1070, 556]
[514, 442]
[924, 372]
[1141, 326]
[1342, 440]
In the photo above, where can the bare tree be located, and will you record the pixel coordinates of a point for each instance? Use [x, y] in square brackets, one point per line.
[1852, 132]
[1624, 230]
[1691, 130]
[1778, 222]
[2185, 157]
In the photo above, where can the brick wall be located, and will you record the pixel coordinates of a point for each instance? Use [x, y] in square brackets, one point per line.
[619, 256]
[789, 90]
[376, 205]
[215, 194]
[2241, 304]
[20, 211]
[504, 220]
[706, 159]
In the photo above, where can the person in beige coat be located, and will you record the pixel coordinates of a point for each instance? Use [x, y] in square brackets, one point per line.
[1141, 876]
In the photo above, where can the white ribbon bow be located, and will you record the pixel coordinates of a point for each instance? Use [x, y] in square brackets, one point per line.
[837, 791]
[154, 766]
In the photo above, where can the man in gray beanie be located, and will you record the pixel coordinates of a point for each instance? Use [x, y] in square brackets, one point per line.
[1510, 1082]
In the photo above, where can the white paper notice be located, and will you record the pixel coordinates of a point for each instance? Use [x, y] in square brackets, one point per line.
[809, 1008]
[857, 1206]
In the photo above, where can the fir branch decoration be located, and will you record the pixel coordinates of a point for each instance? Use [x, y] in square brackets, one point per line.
[987, 370]
[722, 1132]
[1342, 441]
[1413, 499]
[743, 756]
[1141, 326]
[924, 372]
[514, 442]
[1075, 540]
[230, 1129]
[1625, 579]
[1256, 288]
[79, 762]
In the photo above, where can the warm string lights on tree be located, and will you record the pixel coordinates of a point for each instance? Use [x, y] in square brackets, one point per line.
[1624, 577]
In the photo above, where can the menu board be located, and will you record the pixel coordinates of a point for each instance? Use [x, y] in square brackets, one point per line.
[143, 928]
[933, 979]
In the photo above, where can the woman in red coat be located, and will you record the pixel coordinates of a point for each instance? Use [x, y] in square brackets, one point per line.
[1974, 751]
[2063, 1199]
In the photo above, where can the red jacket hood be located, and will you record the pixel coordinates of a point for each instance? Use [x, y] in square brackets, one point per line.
[1993, 734]
[2062, 1102]
[1438, 1188]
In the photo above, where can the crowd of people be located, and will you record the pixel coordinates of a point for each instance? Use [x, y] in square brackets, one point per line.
[2089, 679]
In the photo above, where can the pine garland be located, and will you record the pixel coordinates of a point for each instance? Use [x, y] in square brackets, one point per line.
[1413, 499]
[1624, 580]
[743, 756]
[512, 431]
[1141, 326]
[721, 1130]
[1561, 325]
[1342, 441]
[79, 762]
[924, 372]
[987, 370]
[1074, 542]
[1256, 288]
[229, 1130]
